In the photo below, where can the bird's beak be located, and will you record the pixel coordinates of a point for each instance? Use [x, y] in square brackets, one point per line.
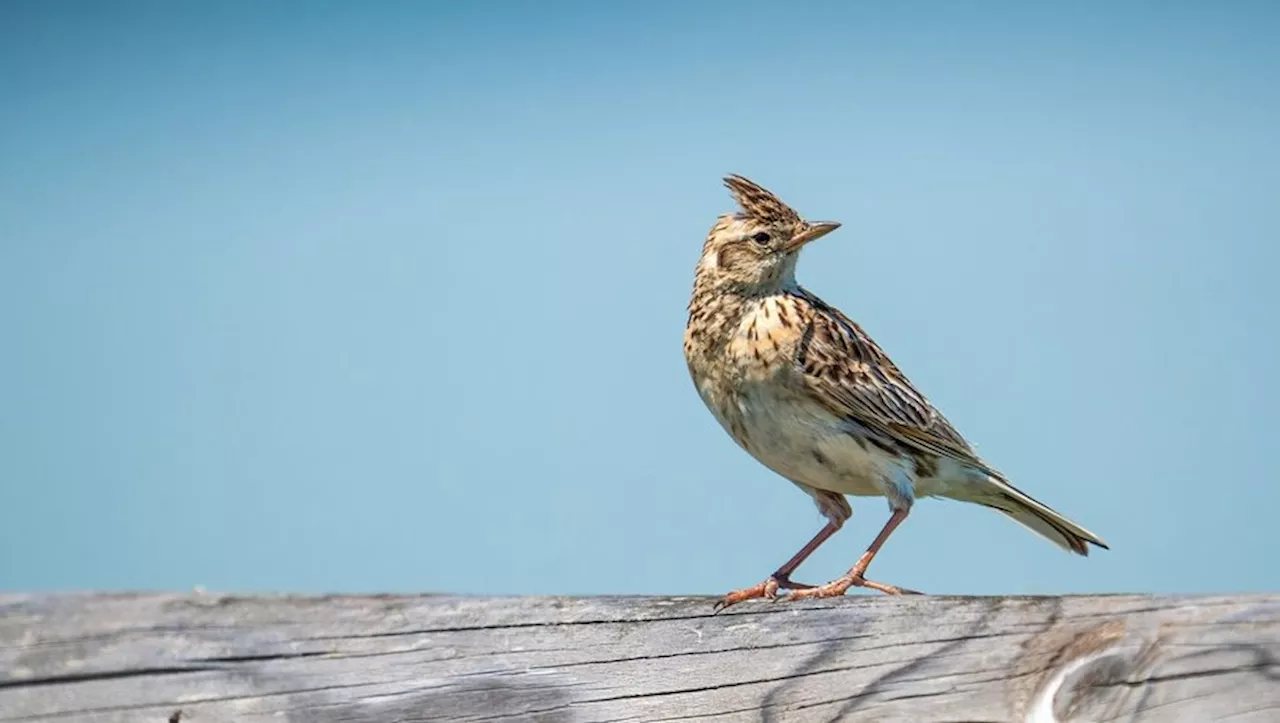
[811, 232]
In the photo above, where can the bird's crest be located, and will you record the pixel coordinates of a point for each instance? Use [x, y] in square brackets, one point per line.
[758, 202]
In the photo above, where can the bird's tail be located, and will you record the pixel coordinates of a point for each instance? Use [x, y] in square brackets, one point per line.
[997, 494]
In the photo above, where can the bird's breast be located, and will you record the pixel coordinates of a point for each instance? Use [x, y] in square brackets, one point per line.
[762, 344]
[748, 378]
[729, 354]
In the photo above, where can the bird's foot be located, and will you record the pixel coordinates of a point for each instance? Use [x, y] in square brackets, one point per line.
[841, 585]
[767, 589]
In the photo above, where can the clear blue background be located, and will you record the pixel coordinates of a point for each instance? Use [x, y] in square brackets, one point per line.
[328, 296]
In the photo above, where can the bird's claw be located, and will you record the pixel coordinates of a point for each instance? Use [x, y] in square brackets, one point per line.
[841, 585]
[767, 589]
[835, 588]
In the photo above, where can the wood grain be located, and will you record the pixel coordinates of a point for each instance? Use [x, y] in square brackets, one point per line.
[210, 658]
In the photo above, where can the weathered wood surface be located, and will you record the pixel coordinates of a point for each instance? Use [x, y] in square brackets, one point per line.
[142, 658]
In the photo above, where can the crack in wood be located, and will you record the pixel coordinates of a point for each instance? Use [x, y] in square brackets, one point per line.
[72, 678]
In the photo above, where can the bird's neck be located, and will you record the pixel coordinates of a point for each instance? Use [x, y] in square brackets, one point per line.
[718, 305]
[710, 289]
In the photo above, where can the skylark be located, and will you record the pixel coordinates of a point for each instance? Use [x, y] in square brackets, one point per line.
[805, 391]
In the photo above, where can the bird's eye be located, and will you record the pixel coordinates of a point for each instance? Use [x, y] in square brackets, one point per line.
[761, 238]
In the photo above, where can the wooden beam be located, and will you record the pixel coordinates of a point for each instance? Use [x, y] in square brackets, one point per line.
[144, 658]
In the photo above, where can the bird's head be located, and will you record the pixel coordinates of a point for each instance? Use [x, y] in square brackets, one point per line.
[755, 250]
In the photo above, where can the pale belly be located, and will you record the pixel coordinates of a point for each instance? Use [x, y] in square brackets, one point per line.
[806, 444]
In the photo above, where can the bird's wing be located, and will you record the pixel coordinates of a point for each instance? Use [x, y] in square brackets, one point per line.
[846, 371]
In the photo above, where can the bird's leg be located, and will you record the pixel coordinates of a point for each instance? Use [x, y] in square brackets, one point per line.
[854, 577]
[781, 579]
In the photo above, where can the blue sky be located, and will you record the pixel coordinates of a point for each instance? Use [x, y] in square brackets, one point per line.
[389, 296]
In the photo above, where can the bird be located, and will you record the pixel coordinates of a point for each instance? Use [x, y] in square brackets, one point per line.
[805, 390]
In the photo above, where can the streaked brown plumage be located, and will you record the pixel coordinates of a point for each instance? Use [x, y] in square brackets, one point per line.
[803, 389]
